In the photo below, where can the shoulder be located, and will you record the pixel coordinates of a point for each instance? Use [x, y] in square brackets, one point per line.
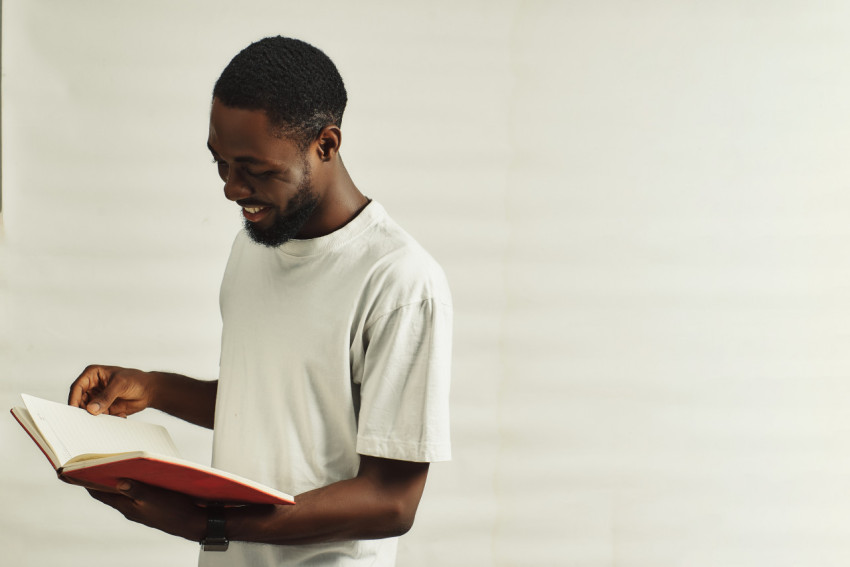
[397, 272]
[402, 269]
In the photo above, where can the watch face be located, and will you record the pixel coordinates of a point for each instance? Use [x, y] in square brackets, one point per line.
[214, 544]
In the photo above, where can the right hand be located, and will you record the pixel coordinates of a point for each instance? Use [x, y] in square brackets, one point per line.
[113, 390]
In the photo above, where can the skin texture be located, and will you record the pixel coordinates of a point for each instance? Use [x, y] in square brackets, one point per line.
[125, 391]
[260, 169]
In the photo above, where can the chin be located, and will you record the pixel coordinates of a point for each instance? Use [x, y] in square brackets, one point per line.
[281, 230]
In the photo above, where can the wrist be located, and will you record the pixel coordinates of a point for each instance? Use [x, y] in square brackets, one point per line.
[154, 386]
[262, 524]
[196, 525]
[215, 533]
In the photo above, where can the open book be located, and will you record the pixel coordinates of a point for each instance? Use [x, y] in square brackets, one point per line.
[100, 450]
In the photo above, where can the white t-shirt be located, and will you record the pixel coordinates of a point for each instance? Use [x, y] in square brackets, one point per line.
[331, 348]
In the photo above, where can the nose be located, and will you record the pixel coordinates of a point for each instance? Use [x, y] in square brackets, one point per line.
[235, 187]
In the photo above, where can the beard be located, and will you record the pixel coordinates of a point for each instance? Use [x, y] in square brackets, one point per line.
[288, 223]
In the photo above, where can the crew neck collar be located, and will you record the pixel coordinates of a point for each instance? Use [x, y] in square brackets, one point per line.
[312, 246]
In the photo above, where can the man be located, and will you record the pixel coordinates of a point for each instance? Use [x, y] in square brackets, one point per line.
[336, 339]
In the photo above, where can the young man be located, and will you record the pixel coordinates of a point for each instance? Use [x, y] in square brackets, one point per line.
[336, 343]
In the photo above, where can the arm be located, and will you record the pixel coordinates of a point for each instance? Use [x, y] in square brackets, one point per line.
[381, 501]
[125, 391]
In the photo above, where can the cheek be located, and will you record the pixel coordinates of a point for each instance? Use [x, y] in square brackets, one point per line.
[281, 192]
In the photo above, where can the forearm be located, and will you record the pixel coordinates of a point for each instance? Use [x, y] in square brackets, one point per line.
[371, 506]
[340, 511]
[186, 398]
[351, 509]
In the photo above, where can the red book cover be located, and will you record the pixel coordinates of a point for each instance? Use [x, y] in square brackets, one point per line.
[96, 464]
[193, 480]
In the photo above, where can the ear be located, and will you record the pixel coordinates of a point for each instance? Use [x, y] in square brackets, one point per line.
[328, 142]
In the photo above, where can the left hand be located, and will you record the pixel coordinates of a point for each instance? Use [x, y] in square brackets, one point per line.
[168, 511]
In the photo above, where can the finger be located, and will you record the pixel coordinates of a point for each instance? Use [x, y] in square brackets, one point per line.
[75, 395]
[129, 489]
[109, 498]
[140, 491]
[79, 389]
[101, 401]
[87, 485]
[89, 379]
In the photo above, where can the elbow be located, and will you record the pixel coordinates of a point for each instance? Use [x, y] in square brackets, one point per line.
[404, 523]
[399, 518]
[394, 489]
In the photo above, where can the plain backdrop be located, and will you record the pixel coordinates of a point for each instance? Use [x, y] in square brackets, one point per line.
[642, 209]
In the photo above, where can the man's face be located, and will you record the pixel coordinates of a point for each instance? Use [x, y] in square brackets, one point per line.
[268, 176]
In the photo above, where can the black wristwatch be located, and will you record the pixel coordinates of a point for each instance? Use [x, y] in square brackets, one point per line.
[216, 538]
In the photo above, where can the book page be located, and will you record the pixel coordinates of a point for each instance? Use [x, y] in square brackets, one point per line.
[73, 431]
[23, 417]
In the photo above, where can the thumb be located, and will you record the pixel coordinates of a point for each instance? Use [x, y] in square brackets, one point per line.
[100, 403]
[126, 487]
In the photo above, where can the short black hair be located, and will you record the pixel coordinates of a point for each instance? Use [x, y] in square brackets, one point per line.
[296, 84]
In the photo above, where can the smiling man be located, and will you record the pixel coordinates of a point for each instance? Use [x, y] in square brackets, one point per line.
[336, 343]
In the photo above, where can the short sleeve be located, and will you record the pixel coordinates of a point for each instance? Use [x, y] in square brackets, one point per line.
[404, 409]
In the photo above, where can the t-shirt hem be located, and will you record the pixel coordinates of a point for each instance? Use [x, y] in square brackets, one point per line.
[415, 452]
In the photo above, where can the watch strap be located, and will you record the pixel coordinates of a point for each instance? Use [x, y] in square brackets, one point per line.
[216, 538]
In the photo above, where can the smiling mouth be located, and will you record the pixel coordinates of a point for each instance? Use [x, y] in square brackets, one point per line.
[254, 213]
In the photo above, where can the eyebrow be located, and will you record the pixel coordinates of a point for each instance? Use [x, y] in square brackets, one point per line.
[241, 159]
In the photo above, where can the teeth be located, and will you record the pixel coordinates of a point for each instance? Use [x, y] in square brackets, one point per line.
[253, 210]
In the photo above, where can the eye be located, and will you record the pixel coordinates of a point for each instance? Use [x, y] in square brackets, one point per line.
[222, 168]
[260, 174]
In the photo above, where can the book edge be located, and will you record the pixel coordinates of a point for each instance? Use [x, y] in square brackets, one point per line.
[23, 418]
[80, 463]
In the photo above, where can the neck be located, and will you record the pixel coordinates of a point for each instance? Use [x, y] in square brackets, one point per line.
[340, 201]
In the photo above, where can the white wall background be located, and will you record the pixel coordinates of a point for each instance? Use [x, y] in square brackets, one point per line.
[642, 207]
